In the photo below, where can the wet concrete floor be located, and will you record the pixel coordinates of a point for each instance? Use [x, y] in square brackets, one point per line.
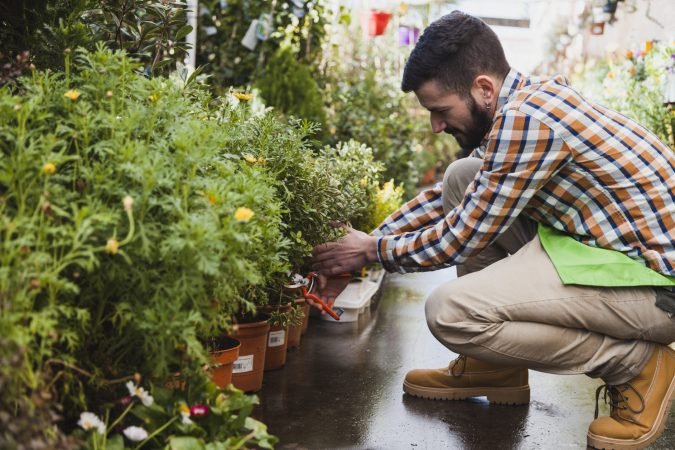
[342, 389]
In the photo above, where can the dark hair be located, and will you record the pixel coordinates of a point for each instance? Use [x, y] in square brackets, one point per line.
[454, 50]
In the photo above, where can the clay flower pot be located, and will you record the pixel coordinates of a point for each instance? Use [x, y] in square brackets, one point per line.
[247, 370]
[224, 351]
[277, 342]
[305, 322]
[295, 331]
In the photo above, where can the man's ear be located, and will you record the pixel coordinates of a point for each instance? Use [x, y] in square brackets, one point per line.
[484, 90]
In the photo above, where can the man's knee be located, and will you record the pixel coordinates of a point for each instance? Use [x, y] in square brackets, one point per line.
[443, 309]
[457, 178]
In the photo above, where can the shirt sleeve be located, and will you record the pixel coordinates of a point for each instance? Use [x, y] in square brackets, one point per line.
[522, 154]
[422, 211]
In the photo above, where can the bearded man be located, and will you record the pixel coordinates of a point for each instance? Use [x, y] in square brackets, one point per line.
[562, 227]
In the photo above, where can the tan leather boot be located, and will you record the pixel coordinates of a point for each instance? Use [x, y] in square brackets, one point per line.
[638, 409]
[468, 377]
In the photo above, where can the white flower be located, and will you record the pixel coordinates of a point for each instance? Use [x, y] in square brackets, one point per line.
[135, 433]
[128, 202]
[137, 391]
[89, 421]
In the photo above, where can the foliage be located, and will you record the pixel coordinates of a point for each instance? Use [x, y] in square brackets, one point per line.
[199, 417]
[287, 85]
[222, 26]
[388, 199]
[633, 84]
[126, 235]
[151, 31]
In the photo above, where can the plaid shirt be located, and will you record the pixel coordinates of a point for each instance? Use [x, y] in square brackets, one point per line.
[561, 160]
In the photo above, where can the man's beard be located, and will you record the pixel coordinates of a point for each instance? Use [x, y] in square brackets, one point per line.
[481, 122]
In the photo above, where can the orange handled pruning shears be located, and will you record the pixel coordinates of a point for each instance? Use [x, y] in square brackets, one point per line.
[334, 313]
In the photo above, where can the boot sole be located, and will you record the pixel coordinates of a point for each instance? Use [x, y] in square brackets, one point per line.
[605, 443]
[519, 395]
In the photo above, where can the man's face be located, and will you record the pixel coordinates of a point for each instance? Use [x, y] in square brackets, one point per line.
[461, 117]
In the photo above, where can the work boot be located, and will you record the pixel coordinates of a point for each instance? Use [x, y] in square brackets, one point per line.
[468, 377]
[638, 409]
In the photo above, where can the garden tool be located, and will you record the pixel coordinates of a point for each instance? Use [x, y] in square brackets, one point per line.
[306, 284]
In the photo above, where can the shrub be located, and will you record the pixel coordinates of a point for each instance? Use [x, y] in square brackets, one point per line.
[288, 86]
[126, 236]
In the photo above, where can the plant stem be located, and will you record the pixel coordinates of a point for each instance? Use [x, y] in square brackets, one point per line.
[119, 419]
[156, 432]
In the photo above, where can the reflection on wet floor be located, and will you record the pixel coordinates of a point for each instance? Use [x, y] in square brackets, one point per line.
[342, 389]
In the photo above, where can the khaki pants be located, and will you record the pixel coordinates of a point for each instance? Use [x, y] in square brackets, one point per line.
[510, 307]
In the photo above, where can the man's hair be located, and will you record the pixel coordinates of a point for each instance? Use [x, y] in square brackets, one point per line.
[454, 50]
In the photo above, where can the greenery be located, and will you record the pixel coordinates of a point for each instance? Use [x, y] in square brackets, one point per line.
[287, 85]
[224, 24]
[633, 84]
[201, 416]
[153, 32]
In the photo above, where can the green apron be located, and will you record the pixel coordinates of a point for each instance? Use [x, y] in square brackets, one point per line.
[577, 263]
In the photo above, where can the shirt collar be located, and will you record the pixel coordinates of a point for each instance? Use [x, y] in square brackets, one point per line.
[513, 81]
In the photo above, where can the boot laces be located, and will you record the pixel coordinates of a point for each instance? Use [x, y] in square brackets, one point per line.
[618, 400]
[457, 366]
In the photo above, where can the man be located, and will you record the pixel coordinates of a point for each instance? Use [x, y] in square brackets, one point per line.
[562, 224]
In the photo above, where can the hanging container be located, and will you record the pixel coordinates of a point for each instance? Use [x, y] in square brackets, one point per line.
[378, 22]
[408, 35]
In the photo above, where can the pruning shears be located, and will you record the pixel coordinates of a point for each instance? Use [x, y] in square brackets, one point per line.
[306, 284]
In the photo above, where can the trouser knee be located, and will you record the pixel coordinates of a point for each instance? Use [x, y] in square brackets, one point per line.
[457, 178]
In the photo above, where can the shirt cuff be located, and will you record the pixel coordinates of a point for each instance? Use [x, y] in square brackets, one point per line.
[385, 254]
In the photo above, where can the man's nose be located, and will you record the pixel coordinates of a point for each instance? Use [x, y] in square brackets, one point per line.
[437, 125]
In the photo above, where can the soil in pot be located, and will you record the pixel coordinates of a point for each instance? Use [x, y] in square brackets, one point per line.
[247, 370]
[224, 351]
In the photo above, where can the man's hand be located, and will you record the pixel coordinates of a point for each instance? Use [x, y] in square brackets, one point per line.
[349, 253]
[328, 289]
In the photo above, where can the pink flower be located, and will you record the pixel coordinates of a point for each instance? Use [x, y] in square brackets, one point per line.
[124, 401]
[199, 410]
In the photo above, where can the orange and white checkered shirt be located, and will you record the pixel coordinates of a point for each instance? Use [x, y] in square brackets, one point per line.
[563, 161]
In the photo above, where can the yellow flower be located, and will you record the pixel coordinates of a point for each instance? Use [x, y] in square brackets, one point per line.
[212, 199]
[184, 409]
[262, 160]
[112, 246]
[152, 98]
[72, 94]
[629, 54]
[363, 182]
[250, 158]
[109, 94]
[243, 214]
[243, 97]
[49, 169]
[649, 45]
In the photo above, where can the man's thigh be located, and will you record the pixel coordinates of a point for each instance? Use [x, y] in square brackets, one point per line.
[525, 287]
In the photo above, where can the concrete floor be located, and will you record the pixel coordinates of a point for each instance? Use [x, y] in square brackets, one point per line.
[342, 389]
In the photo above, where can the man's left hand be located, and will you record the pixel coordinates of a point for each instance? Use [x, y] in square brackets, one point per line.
[349, 253]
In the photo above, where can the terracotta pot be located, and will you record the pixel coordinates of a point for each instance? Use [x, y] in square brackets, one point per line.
[277, 343]
[247, 370]
[225, 351]
[305, 322]
[295, 331]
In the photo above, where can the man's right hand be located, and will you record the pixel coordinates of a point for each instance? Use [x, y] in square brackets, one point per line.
[328, 289]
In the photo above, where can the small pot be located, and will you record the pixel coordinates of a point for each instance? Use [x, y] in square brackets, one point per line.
[247, 370]
[225, 351]
[277, 343]
[295, 331]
